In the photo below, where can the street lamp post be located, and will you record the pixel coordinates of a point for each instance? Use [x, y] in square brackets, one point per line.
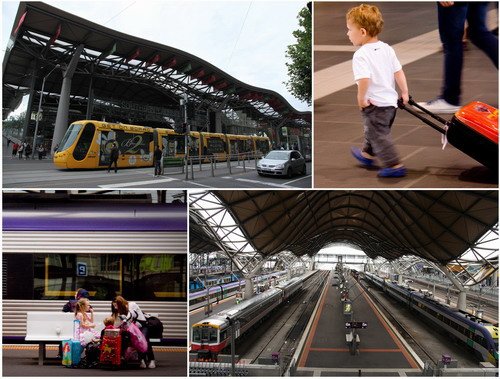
[40, 109]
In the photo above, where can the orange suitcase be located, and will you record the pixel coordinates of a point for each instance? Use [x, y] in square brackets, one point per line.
[473, 130]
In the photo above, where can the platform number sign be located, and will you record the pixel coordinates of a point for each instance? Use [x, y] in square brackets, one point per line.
[81, 269]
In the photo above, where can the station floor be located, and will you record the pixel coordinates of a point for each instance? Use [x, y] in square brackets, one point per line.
[22, 360]
[380, 351]
[411, 28]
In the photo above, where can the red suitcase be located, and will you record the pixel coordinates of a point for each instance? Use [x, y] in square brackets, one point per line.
[111, 348]
[473, 130]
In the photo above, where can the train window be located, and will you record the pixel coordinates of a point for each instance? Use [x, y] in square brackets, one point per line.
[84, 142]
[70, 136]
[196, 335]
[212, 335]
[138, 277]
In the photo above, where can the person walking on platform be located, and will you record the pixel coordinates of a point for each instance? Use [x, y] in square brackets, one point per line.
[451, 19]
[113, 157]
[157, 157]
[376, 70]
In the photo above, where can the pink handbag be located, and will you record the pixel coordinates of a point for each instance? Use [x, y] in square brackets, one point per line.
[137, 339]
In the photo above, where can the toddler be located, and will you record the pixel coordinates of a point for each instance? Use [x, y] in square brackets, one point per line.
[376, 69]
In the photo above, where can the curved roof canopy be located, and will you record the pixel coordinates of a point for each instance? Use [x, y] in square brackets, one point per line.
[436, 225]
[124, 67]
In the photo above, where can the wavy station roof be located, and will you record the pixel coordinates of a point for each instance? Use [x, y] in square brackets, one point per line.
[436, 225]
[124, 68]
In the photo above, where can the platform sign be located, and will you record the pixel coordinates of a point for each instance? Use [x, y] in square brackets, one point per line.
[356, 325]
[347, 308]
[81, 269]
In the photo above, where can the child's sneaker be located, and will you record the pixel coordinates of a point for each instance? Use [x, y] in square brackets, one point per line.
[143, 364]
[392, 172]
[356, 153]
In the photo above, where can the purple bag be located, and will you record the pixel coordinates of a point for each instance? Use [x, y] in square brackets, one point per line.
[137, 339]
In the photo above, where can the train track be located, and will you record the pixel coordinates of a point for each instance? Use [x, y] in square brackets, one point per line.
[288, 328]
[419, 348]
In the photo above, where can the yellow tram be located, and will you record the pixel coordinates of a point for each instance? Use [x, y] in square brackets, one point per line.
[87, 145]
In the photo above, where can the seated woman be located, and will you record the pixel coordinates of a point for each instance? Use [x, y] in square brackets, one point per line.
[85, 314]
[132, 312]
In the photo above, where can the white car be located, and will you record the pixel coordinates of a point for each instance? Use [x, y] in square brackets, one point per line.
[282, 162]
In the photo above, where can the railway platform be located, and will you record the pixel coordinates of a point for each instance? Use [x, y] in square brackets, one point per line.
[381, 350]
[412, 30]
[22, 360]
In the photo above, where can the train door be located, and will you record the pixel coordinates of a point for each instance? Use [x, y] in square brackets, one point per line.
[105, 140]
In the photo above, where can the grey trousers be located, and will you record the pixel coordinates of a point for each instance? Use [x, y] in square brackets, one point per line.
[377, 123]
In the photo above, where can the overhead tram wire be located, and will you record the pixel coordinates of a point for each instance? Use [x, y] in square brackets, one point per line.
[120, 12]
[239, 34]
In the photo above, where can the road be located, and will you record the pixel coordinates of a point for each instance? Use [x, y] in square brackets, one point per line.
[43, 174]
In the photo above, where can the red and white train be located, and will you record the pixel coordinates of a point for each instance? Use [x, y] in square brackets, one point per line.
[211, 335]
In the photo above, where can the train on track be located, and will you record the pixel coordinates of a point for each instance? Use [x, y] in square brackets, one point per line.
[87, 145]
[213, 334]
[476, 333]
[137, 250]
[217, 292]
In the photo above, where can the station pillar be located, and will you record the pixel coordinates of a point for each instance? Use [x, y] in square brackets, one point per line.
[63, 108]
[462, 301]
[248, 288]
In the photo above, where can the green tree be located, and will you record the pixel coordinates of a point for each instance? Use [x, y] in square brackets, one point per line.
[300, 68]
[14, 125]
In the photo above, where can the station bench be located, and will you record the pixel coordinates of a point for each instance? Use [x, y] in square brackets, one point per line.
[54, 327]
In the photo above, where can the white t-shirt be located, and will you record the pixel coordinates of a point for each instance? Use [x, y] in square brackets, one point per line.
[378, 62]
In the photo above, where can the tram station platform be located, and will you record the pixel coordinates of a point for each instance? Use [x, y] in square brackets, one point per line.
[381, 352]
[22, 360]
[412, 29]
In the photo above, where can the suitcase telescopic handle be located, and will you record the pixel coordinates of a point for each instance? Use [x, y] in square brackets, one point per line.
[413, 112]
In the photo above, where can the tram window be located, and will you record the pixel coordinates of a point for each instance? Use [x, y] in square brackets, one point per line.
[84, 142]
[70, 136]
[215, 145]
[178, 143]
[194, 144]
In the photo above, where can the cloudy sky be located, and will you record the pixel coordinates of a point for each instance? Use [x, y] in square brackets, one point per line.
[248, 40]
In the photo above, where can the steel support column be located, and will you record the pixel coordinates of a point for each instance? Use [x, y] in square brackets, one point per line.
[64, 100]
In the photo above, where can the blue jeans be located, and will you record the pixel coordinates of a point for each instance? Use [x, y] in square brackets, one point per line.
[451, 29]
